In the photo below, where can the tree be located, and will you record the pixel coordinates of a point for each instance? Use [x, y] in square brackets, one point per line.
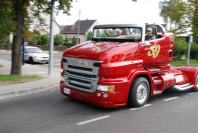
[6, 25]
[174, 10]
[183, 14]
[195, 22]
[43, 39]
[19, 14]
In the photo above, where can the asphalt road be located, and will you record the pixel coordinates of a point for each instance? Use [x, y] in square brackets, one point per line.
[50, 112]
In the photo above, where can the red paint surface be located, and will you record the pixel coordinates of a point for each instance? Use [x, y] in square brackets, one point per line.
[122, 63]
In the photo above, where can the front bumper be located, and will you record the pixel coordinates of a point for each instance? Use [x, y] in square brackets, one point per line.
[41, 60]
[115, 99]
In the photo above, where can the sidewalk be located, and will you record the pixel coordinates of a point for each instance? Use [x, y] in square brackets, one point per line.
[46, 83]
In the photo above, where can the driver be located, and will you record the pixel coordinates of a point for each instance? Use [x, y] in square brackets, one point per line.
[150, 35]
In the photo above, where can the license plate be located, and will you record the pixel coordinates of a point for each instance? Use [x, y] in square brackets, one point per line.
[67, 91]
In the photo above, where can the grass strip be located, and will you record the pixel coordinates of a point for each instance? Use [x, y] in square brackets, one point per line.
[18, 78]
[184, 63]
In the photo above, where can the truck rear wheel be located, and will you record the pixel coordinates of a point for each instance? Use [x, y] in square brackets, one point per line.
[196, 84]
[139, 92]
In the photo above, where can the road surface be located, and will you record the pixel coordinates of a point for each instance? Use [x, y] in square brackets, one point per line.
[50, 112]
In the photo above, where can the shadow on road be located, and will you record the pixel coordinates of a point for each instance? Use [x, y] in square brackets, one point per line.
[90, 107]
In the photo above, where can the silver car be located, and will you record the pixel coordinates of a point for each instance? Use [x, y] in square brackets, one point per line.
[35, 54]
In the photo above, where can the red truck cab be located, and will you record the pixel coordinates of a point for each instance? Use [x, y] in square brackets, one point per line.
[119, 67]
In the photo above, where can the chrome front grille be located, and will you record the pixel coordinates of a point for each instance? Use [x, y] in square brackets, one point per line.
[81, 74]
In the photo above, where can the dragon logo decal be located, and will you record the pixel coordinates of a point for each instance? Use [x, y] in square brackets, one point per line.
[154, 50]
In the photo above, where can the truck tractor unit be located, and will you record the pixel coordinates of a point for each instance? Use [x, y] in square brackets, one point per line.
[119, 67]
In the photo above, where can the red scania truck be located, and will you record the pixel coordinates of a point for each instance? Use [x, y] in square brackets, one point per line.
[119, 67]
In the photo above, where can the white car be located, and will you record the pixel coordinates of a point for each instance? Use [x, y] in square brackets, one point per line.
[35, 54]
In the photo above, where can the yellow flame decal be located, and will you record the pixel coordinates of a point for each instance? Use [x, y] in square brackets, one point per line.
[154, 50]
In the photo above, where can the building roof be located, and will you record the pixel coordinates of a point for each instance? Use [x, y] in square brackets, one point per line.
[73, 29]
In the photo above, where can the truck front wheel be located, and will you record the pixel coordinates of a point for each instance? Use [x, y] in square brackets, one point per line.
[139, 92]
[31, 61]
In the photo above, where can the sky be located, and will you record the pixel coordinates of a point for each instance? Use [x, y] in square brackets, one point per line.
[113, 12]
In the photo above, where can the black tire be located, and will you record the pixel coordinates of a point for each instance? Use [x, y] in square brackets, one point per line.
[141, 85]
[31, 60]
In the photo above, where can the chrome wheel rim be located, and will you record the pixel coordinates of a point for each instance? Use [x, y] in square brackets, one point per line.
[142, 93]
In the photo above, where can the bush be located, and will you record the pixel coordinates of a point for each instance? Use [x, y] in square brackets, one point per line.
[43, 40]
[69, 42]
[58, 40]
[194, 51]
[89, 36]
[34, 40]
[39, 40]
[180, 47]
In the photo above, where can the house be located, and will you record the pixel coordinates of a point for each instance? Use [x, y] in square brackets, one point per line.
[79, 30]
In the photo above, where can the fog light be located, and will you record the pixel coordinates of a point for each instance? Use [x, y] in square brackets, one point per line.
[106, 88]
[105, 95]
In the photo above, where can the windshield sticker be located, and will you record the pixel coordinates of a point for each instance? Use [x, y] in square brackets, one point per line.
[154, 50]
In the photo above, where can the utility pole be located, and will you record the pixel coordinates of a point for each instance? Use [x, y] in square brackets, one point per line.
[78, 41]
[189, 48]
[51, 45]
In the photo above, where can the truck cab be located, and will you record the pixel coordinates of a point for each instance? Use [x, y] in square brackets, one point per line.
[119, 67]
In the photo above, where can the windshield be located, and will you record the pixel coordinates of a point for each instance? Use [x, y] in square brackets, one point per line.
[34, 50]
[132, 34]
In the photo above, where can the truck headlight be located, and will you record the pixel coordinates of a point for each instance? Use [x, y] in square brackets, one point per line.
[106, 88]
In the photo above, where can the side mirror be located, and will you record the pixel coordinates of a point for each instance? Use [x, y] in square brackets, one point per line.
[146, 43]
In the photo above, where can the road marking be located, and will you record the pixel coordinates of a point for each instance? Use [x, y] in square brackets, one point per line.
[93, 120]
[147, 105]
[169, 99]
[191, 93]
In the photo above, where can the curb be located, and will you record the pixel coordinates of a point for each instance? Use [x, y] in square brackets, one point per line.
[15, 93]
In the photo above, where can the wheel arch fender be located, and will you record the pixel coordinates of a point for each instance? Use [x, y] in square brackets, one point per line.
[191, 72]
[143, 73]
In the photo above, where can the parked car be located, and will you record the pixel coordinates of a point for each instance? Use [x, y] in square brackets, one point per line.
[35, 54]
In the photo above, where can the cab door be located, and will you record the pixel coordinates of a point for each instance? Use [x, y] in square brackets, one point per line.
[158, 52]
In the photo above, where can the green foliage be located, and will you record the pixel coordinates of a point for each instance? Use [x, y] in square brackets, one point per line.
[34, 40]
[89, 36]
[180, 47]
[38, 39]
[184, 63]
[69, 42]
[6, 23]
[18, 78]
[195, 22]
[183, 14]
[174, 9]
[43, 40]
[58, 40]
[15, 16]
[66, 41]
[194, 51]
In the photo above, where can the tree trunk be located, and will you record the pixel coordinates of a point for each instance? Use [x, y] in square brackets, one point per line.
[19, 9]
